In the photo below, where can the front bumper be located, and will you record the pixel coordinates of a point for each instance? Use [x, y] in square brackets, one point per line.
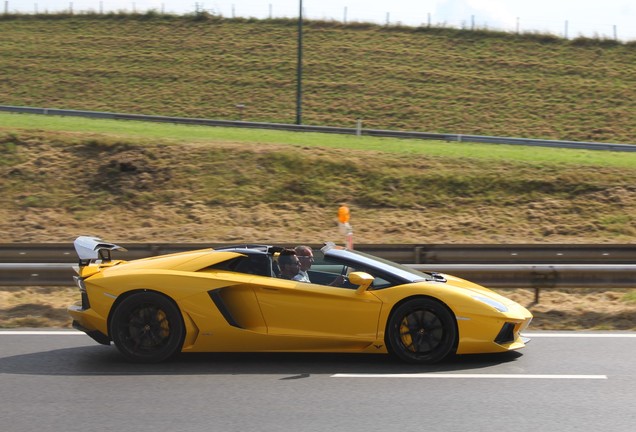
[481, 336]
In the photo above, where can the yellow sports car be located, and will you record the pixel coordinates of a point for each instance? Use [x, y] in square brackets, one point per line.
[234, 299]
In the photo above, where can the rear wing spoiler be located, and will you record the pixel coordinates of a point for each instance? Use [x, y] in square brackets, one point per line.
[92, 248]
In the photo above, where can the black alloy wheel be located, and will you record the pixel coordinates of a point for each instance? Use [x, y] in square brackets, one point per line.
[147, 327]
[421, 331]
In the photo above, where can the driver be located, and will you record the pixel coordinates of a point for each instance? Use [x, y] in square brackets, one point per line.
[306, 258]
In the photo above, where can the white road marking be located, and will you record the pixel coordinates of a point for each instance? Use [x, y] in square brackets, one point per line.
[420, 375]
[530, 335]
[580, 335]
[41, 333]
[472, 376]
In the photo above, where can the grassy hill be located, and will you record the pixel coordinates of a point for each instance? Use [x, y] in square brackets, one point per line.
[135, 182]
[427, 79]
[130, 181]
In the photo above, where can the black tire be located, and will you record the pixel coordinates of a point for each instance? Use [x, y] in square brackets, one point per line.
[421, 331]
[147, 327]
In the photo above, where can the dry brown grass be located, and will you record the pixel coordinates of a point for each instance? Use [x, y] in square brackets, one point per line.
[126, 191]
[572, 309]
[36, 306]
[57, 186]
[579, 309]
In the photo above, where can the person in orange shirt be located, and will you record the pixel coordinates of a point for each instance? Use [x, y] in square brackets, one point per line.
[343, 223]
[344, 214]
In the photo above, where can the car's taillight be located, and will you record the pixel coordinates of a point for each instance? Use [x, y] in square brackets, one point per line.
[82, 287]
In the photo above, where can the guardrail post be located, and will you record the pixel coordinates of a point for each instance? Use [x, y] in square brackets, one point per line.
[418, 255]
[546, 279]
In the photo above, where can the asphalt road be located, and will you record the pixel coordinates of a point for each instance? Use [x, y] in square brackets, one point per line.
[560, 382]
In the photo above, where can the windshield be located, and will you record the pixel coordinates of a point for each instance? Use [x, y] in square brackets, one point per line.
[399, 270]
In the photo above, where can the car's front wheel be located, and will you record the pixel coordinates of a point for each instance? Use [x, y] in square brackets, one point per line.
[147, 327]
[421, 330]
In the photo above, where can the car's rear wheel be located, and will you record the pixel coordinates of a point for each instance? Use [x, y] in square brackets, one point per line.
[147, 327]
[421, 330]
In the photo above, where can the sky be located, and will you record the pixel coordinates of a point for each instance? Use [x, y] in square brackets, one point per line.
[566, 18]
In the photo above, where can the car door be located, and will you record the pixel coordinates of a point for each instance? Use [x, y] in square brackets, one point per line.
[328, 315]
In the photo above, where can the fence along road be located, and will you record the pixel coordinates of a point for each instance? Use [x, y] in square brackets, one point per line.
[497, 266]
[326, 129]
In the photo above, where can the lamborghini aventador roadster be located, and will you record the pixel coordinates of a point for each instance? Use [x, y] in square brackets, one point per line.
[234, 299]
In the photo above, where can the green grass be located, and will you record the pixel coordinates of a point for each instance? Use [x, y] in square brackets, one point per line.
[426, 79]
[630, 297]
[273, 166]
[184, 133]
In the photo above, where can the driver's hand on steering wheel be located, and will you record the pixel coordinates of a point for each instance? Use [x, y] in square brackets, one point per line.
[340, 280]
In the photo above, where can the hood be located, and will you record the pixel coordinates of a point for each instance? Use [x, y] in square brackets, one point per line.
[477, 289]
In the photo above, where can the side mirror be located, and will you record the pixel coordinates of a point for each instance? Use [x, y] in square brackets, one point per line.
[362, 279]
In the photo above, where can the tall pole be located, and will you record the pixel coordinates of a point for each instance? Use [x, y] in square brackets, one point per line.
[299, 69]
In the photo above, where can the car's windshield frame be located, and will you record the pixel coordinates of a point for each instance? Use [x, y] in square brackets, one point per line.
[360, 258]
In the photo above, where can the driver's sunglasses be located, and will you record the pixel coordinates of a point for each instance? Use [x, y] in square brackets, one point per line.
[305, 257]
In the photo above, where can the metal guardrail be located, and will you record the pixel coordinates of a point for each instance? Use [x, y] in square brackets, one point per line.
[497, 266]
[494, 275]
[326, 129]
[402, 253]
[536, 277]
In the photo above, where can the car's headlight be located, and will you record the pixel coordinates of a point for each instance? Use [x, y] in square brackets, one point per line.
[490, 302]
